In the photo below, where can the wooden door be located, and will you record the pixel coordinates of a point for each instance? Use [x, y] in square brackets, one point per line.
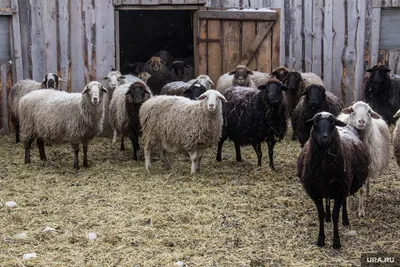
[224, 39]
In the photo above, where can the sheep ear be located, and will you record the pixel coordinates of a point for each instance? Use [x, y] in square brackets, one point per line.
[249, 72]
[347, 110]
[232, 72]
[284, 88]
[186, 66]
[222, 98]
[122, 77]
[309, 122]
[339, 123]
[104, 89]
[304, 93]
[105, 78]
[163, 62]
[388, 70]
[262, 87]
[375, 115]
[44, 80]
[148, 62]
[211, 82]
[397, 114]
[369, 70]
[85, 90]
[202, 96]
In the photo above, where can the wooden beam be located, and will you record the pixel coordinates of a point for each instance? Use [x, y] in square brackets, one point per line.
[377, 3]
[157, 7]
[195, 44]
[16, 39]
[256, 43]
[275, 49]
[375, 26]
[6, 11]
[238, 15]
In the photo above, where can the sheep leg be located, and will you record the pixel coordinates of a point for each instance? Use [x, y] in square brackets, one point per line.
[237, 150]
[40, 144]
[114, 140]
[147, 155]
[367, 189]
[257, 149]
[294, 127]
[327, 209]
[361, 194]
[200, 153]
[321, 214]
[164, 159]
[271, 145]
[85, 160]
[27, 145]
[335, 217]
[219, 149]
[122, 144]
[193, 157]
[345, 217]
[135, 145]
[16, 127]
[75, 147]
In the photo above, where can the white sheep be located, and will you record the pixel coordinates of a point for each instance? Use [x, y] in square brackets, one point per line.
[21, 88]
[374, 133]
[204, 80]
[175, 123]
[396, 138]
[53, 115]
[241, 77]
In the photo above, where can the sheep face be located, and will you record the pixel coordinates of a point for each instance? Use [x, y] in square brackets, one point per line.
[280, 73]
[155, 63]
[378, 74]
[205, 80]
[136, 93]
[241, 75]
[292, 81]
[324, 128]
[360, 114]
[315, 95]
[114, 79]
[273, 92]
[194, 91]
[51, 81]
[94, 91]
[212, 99]
[178, 67]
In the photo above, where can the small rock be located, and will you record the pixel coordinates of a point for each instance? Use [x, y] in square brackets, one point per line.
[92, 236]
[10, 204]
[22, 235]
[179, 263]
[29, 256]
[351, 233]
[48, 229]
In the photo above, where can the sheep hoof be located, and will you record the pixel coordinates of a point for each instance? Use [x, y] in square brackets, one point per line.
[328, 219]
[336, 244]
[321, 241]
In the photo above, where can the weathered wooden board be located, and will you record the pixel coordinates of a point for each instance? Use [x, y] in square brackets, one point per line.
[308, 35]
[295, 60]
[339, 45]
[360, 47]
[264, 49]
[317, 35]
[248, 35]
[203, 47]
[16, 44]
[5, 46]
[231, 54]
[37, 41]
[275, 42]
[77, 52]
[214, 49]
[49, 22]
[237, 15]
[5, 4]
[25, 30]
[389, 37]
[64, 49]
[328, 39]
[375, 24]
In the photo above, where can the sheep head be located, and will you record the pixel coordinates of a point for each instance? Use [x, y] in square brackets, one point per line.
[114, 79]
[94, 91]
[241, 75]
[315, 95]
[360, 115]
[273, 92]
[155, 63]
[136, 93]
[194, 91]
[51, 81]
[323, 128]
[280, 73]
[212, 99]
[379, 74]
[293, 81]
[205, 80]
[178, 67]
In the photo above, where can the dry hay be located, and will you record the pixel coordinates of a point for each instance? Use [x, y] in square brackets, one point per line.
[230, 214]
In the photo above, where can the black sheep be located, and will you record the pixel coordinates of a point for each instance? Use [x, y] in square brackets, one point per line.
[333, 164]
[382, 92]
[314, 99]
[252, 116]
[158, 79]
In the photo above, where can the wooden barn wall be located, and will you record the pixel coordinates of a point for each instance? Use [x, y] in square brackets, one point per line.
[332, 38]
[72, 38]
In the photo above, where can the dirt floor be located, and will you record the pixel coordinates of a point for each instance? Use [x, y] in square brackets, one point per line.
[230, 214]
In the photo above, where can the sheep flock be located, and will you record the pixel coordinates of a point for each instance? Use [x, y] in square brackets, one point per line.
[168, 113]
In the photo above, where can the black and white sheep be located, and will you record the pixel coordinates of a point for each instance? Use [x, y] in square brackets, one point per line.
[155, 65]
[375, 134]
[159, 79]
[21, 88]
[175, 123]
[252, 116]
[333, 164]
[382, 92]
[241, 77]
[204, 80]
[396, 138]
[53, 115]
[183, 89]
[314, 99]
[124, 112]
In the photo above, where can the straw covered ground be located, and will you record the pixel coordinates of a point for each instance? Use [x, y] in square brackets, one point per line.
[230, 214]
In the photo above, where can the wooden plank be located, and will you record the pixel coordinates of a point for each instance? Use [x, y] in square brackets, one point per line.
[202, 47]
[248, 41]
[155, 2]
[264, 50]
[338, 27]
[350, 54]
[297, 43]
[4, 68]
[64, 50]
[376, 19]
[255, 43]
[49, 31]
[393, 60]
[397, 70]
[117, 42]
[165, 2]
[237, 15]
[77, 51]
[308, 35]
[377, 3]
[395, 3]
[117, 2]
[389, 35]
[231, 45]
[131, 2]
[317, 37]
[6, 12]
[279, 4]
[105, 46]
[328, 45]
[191, 2]
[89, 39]
[37, 40]
[17, 49]
[195, 44]
[386, 3]
[214, 50]
[275, 42]
[25, 30]
[5, 4]
[360, 47]
[383, 57]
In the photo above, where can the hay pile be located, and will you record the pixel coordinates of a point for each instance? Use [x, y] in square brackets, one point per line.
[230, 214]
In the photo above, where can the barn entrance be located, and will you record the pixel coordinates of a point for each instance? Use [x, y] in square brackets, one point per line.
[142, 33]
